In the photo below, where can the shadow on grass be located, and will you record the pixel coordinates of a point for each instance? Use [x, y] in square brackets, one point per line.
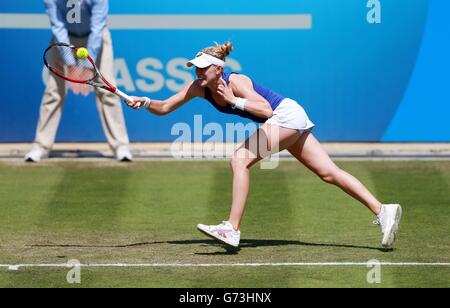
[77, 154]
[250, 243]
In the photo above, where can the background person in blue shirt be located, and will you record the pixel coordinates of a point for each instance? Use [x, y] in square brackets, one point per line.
[81, 23]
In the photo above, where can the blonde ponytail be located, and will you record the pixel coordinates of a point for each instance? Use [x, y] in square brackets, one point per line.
[219, 51]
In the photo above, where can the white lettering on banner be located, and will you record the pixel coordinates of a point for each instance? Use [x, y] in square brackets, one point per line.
[123, 76]
[144, 69]
[153, 75]
[176, 69]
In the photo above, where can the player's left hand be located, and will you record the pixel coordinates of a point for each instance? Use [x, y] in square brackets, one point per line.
[226, 93]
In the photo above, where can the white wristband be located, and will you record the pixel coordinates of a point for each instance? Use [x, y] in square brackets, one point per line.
[147, 103]
[240, 103]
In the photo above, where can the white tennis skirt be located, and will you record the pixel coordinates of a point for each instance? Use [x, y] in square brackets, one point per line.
[289, 114]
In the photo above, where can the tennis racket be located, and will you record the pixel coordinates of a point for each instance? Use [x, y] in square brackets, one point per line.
[61, 60]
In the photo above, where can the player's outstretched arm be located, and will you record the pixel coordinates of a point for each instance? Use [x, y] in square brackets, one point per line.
[164, 107]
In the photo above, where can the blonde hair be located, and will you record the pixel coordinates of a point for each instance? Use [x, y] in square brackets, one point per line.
[219, 51]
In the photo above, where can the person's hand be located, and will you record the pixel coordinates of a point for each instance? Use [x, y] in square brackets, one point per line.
[74, 87]
[138, 102]
[226, 93]
[85, 89]
[79, 88]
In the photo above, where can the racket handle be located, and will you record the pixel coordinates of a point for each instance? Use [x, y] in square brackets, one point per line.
[124, 96]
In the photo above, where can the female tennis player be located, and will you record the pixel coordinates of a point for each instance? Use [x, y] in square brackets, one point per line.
[285, 125]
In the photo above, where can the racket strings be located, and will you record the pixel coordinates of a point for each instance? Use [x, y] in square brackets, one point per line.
[64, 60]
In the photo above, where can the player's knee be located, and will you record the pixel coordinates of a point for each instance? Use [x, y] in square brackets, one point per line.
[239, 161]
[330, 176]
[236, 163]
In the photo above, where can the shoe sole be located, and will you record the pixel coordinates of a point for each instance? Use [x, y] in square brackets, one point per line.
[216, 238]
[391, 234]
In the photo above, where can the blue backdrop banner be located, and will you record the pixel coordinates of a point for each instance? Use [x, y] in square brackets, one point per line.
[364, 70]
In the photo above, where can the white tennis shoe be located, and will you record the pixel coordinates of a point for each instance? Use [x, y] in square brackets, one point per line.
[224, 233]
[389, 220]
[123, 154]
[36, 154]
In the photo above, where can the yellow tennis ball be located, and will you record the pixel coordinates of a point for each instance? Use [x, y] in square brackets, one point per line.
[82, 53]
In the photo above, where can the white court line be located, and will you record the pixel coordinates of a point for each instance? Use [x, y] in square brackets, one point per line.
[197, 265]
[174, 22]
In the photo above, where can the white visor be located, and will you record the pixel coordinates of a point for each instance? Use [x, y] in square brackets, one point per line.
[203, 60]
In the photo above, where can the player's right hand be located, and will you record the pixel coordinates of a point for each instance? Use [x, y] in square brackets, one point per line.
[138, 102]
